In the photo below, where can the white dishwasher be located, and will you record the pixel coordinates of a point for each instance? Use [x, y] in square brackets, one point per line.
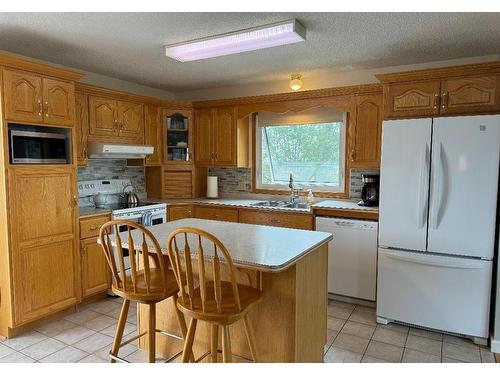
[352, 256]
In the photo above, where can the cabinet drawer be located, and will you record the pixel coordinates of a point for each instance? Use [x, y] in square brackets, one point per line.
[179, 212]
[216, 213]
[277, 219]
[89, 227]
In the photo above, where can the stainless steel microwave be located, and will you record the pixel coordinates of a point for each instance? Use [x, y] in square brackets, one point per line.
[34, 147]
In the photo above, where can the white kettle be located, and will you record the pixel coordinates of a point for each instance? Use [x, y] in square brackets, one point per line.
[99, 199]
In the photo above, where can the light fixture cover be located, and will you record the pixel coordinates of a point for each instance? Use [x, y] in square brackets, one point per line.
[276, 34]
[296, 82]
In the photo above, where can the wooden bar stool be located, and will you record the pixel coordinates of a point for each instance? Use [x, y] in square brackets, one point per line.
[220, 303]
[144, 283]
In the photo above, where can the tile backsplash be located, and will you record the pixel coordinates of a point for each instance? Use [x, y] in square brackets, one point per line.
[109, 169]
[233, 180]
[356, 184]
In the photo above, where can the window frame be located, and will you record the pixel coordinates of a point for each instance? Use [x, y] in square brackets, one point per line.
[318, 189]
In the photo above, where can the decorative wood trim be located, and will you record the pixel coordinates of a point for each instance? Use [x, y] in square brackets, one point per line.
[40, 68]
[291, 96]
[354, 214]
[440, 73]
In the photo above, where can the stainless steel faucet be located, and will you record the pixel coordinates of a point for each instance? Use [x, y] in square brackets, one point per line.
[294, 193]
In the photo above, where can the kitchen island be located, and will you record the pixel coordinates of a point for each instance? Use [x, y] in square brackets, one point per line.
[288, 265]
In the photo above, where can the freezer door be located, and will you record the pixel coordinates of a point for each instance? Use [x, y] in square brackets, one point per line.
[464, 170]
[439, 292]
[404, 180]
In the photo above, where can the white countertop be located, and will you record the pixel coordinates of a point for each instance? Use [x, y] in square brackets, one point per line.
[259, 247]
[344, 204]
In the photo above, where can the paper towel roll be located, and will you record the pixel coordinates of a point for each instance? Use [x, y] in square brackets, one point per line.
[212, 188]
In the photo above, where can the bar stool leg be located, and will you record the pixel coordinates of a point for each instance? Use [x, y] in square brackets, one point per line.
[227, 356]
[188, 344]
[214, 338]
[182, 321]
[119, 329]
[152, 333]
[250, 338]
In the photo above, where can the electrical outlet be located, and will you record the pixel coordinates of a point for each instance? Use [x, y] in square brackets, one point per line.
[241, 185]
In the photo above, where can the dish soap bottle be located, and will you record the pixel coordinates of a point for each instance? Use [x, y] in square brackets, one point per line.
[310, 197]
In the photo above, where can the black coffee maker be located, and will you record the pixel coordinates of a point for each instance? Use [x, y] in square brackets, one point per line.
[369, 192]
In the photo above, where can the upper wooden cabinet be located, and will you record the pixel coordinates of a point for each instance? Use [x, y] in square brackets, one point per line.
[81, 127]
[177, 137]
[122, 121]
[34, 98]
[152, 132]
[365, 131]
[204, 136]
[456, 90]
[225, 142]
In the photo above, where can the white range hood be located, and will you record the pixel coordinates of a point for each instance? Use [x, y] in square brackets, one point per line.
[99, 150]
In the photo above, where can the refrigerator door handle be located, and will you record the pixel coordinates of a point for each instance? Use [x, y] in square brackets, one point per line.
[437, 190]
[423, 190]
[437, 261]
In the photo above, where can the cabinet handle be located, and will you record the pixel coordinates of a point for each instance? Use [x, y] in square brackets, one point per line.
[93, 227]
[436, 100]
[40, 108]
[353, 153]
[444, 97]
[216, 156]
[82, 250]
[74, 201]
[46, 109]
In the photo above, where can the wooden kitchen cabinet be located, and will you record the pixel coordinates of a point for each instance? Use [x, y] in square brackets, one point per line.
[177, 212]
[216, 213]
[130, 120]
[34, 98]
[95, 274]
[45, 261]
[216, 137]
[178, 137]
[103, 116]
[152, 132]
[366, 131]
[81, 127]
[276, 219]
[412, 99]
[178, 183]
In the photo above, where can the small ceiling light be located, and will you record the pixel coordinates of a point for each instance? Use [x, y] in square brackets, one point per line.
[271, 35]
[296, 82]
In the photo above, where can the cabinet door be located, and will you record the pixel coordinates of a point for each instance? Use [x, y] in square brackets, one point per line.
[276, 219]
[177, 184]
[203, 137]
[414, 99]
[225, 136]
[152, 129]
[22, 96]
[366, 132]
[469, 95]
[44, 257]
[95, 272]
[58, 102]
[216, 213]
[131, 120]
[103, 116]
[81, 127]
[180, 212]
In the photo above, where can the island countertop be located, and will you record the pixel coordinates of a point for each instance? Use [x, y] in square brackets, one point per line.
[258, 247]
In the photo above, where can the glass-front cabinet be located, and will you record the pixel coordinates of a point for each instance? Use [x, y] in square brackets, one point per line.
[178, 136]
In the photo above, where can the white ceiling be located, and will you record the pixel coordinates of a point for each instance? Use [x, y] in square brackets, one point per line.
[129, 46]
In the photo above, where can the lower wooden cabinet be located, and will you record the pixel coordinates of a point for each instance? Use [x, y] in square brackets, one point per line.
[277, 219]
[216, 213]
[95, 274]
[180, 212]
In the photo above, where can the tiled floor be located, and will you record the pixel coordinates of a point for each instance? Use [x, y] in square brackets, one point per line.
[353, 336]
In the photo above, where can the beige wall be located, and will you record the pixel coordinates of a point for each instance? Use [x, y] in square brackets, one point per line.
[320, 79]
[109, 82]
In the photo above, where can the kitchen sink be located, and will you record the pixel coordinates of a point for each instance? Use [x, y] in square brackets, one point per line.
[297, 205]
[270, 204]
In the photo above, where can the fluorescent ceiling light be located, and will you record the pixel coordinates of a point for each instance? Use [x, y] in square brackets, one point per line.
[276, 34]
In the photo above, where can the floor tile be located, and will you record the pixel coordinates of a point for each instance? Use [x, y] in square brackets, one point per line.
[93, 343]
[425, 333]
[358, 329]
[414, 356]
[66, 355]
[139, 356]
[390, 353]
[92, 359]
[338, 355]
[115, 312]
[364, 316]
[486, 355]
[17, 357]
[460, 352]
[344, 305]
[54, 328]
[74, 335]
[350, 342]
[330, 336]
[450, 360]
[123, 352]
[368, 359]
[365, 308]
[132, 317]
[335, 323]
[111, 330]
[24, 340]
[102, 307]
[82, 316]
[389, 336]
[395, 327]
[462, 341]
[425, 345]
[339, 312]
[100, 323]
[5, 350]
[43, 348]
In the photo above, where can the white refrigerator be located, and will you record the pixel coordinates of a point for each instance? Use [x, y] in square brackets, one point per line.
[438, 205]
